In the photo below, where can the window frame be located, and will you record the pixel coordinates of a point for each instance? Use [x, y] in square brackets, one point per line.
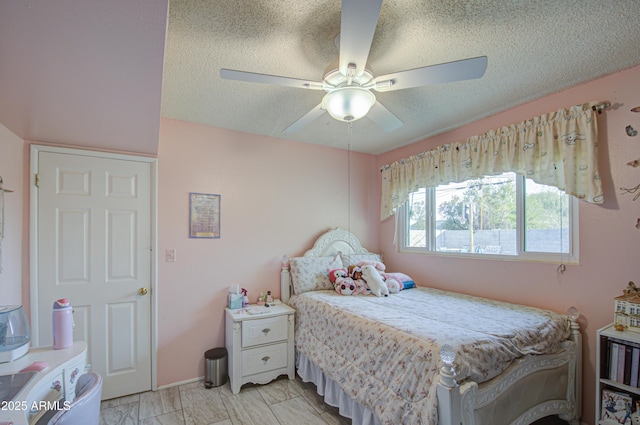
[571, 257]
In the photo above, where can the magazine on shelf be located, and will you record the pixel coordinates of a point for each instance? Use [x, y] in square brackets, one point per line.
[616, 407]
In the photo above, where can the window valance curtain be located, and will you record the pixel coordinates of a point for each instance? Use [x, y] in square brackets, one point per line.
[557, 149]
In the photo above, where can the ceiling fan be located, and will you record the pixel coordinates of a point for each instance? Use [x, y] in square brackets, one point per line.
[349, 87]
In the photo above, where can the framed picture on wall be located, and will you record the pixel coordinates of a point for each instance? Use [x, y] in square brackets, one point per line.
[204, 215]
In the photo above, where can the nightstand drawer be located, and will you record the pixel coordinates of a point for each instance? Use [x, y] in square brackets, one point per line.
[263, 359]
[264, 331]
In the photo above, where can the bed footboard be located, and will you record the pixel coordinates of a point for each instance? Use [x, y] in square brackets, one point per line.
[473, 404]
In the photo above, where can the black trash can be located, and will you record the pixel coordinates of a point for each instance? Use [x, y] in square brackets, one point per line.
[215, 367]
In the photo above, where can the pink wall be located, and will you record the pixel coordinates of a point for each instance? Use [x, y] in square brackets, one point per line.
[11, 162]
[609, 240]
[277, 197]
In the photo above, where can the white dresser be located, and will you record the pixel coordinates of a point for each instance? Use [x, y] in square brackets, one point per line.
[260, 346]
[48, 387]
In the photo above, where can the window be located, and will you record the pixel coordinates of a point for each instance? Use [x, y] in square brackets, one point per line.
[503, 216]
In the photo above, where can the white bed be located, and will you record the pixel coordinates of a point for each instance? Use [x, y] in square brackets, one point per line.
[505, 377]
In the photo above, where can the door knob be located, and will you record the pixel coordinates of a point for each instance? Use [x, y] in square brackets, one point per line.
[142, 291]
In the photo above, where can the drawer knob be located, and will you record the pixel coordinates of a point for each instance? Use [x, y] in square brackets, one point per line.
[266, 331]
[266, 359]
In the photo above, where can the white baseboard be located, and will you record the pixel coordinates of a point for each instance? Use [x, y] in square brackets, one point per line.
[176, 384]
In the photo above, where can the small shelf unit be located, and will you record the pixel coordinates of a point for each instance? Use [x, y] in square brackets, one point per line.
[603, 382]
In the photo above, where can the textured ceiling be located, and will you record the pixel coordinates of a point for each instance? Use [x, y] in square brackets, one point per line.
[534, 48]
[99, 73]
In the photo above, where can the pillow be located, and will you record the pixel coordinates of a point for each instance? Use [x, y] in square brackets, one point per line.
[312, 273]
[356, 258]
[405, 281]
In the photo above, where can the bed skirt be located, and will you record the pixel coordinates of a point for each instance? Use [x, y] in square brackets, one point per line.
[333, 394]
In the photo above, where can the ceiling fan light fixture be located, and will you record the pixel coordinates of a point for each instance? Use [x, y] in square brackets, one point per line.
[349, 103]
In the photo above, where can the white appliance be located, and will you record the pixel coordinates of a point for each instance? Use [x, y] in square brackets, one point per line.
[15, 334]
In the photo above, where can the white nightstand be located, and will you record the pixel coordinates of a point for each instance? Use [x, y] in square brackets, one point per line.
[260, 346]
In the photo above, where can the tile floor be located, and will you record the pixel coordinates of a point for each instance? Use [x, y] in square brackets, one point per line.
[282, 402]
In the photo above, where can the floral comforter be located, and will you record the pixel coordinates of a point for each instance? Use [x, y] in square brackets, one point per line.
[384, 352]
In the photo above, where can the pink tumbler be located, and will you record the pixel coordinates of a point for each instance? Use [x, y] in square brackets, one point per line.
[62, 324]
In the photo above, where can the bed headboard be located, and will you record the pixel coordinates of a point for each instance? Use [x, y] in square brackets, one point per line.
[328, 244]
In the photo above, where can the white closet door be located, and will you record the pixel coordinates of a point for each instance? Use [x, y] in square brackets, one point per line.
[94, 247]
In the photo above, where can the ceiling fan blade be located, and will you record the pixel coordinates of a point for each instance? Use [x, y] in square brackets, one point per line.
[306, 119]
[357, 26]
[466, 69]
[231, 74]
[384, 118]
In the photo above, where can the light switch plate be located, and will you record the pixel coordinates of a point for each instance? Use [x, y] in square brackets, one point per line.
[170, 255]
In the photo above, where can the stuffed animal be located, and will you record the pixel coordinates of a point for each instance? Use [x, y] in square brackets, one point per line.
[361, 287]
[393, 282]
[377, 264]
[392, 285]
[335, 274]
[374, 281]
[355, 273]
[345, 286]
[342, 283]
